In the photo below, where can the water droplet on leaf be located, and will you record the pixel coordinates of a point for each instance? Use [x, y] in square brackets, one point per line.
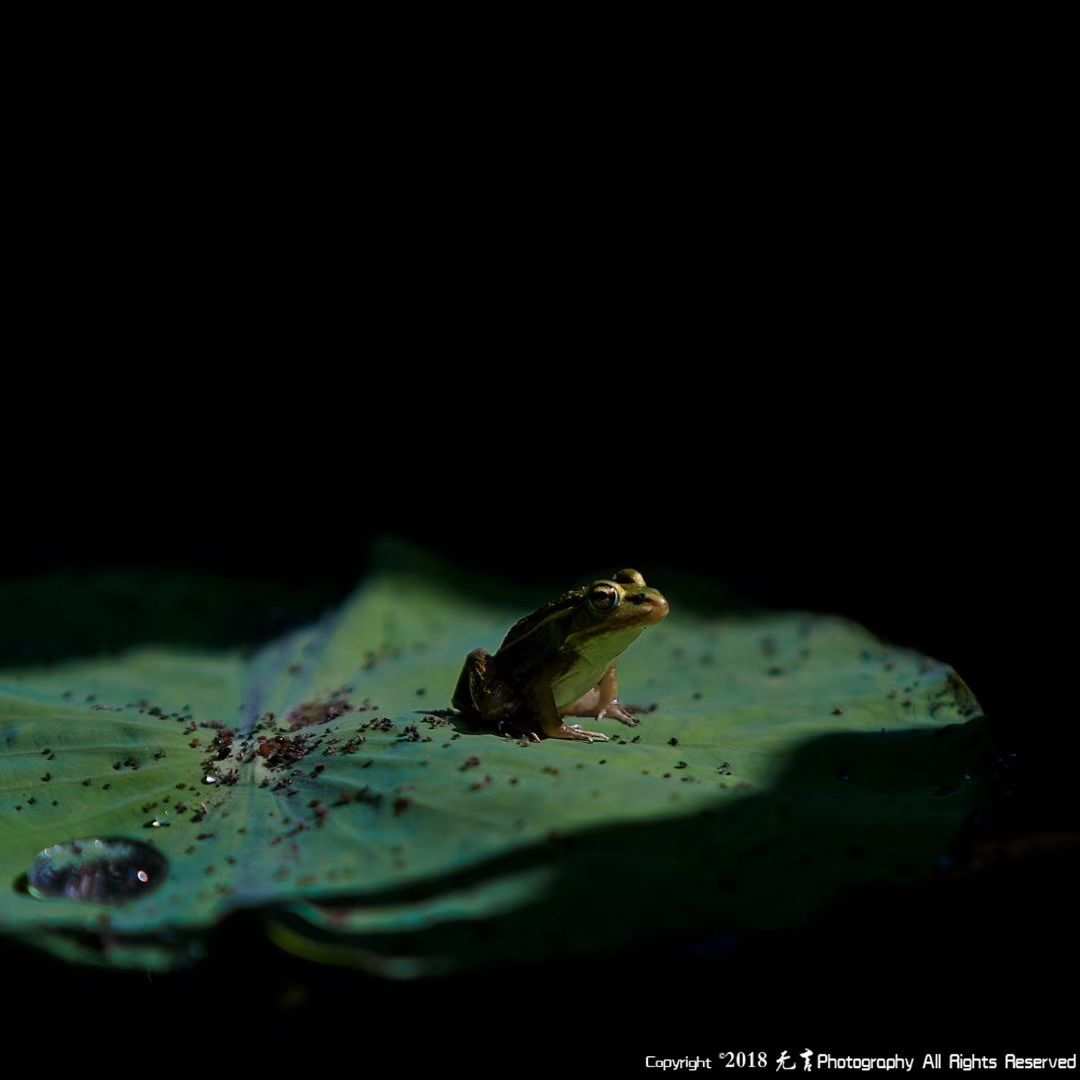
[109, 871]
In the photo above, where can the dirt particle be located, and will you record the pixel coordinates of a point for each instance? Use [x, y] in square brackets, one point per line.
[220, 747]
[283, 750]
[317, 712]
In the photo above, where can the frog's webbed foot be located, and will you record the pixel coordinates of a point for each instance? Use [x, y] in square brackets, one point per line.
[552, 726]
[616, 710]
[512, 729]
[572, 731]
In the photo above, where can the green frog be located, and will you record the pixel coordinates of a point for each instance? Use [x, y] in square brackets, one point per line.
[560, 661]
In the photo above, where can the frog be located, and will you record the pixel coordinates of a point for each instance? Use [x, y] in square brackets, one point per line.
[560, 661]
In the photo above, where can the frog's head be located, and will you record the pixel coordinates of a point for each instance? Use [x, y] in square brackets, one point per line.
[612, 612]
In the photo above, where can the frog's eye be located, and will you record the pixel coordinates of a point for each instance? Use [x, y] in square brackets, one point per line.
[629, 577]
[603, 597]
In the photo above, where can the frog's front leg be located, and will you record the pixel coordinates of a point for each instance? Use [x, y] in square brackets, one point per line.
[602, 700]
[551, 722]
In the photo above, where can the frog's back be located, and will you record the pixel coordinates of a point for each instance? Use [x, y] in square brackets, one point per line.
[544, 620]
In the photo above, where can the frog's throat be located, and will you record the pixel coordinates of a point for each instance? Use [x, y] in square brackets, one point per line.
[593, 656]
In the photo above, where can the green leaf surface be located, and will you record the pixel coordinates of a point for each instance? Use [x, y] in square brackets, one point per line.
[779, 759]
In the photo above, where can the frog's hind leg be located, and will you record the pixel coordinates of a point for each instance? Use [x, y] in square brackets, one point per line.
[602, 700]
[480, 692]
[470, 681]
[551, 722]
